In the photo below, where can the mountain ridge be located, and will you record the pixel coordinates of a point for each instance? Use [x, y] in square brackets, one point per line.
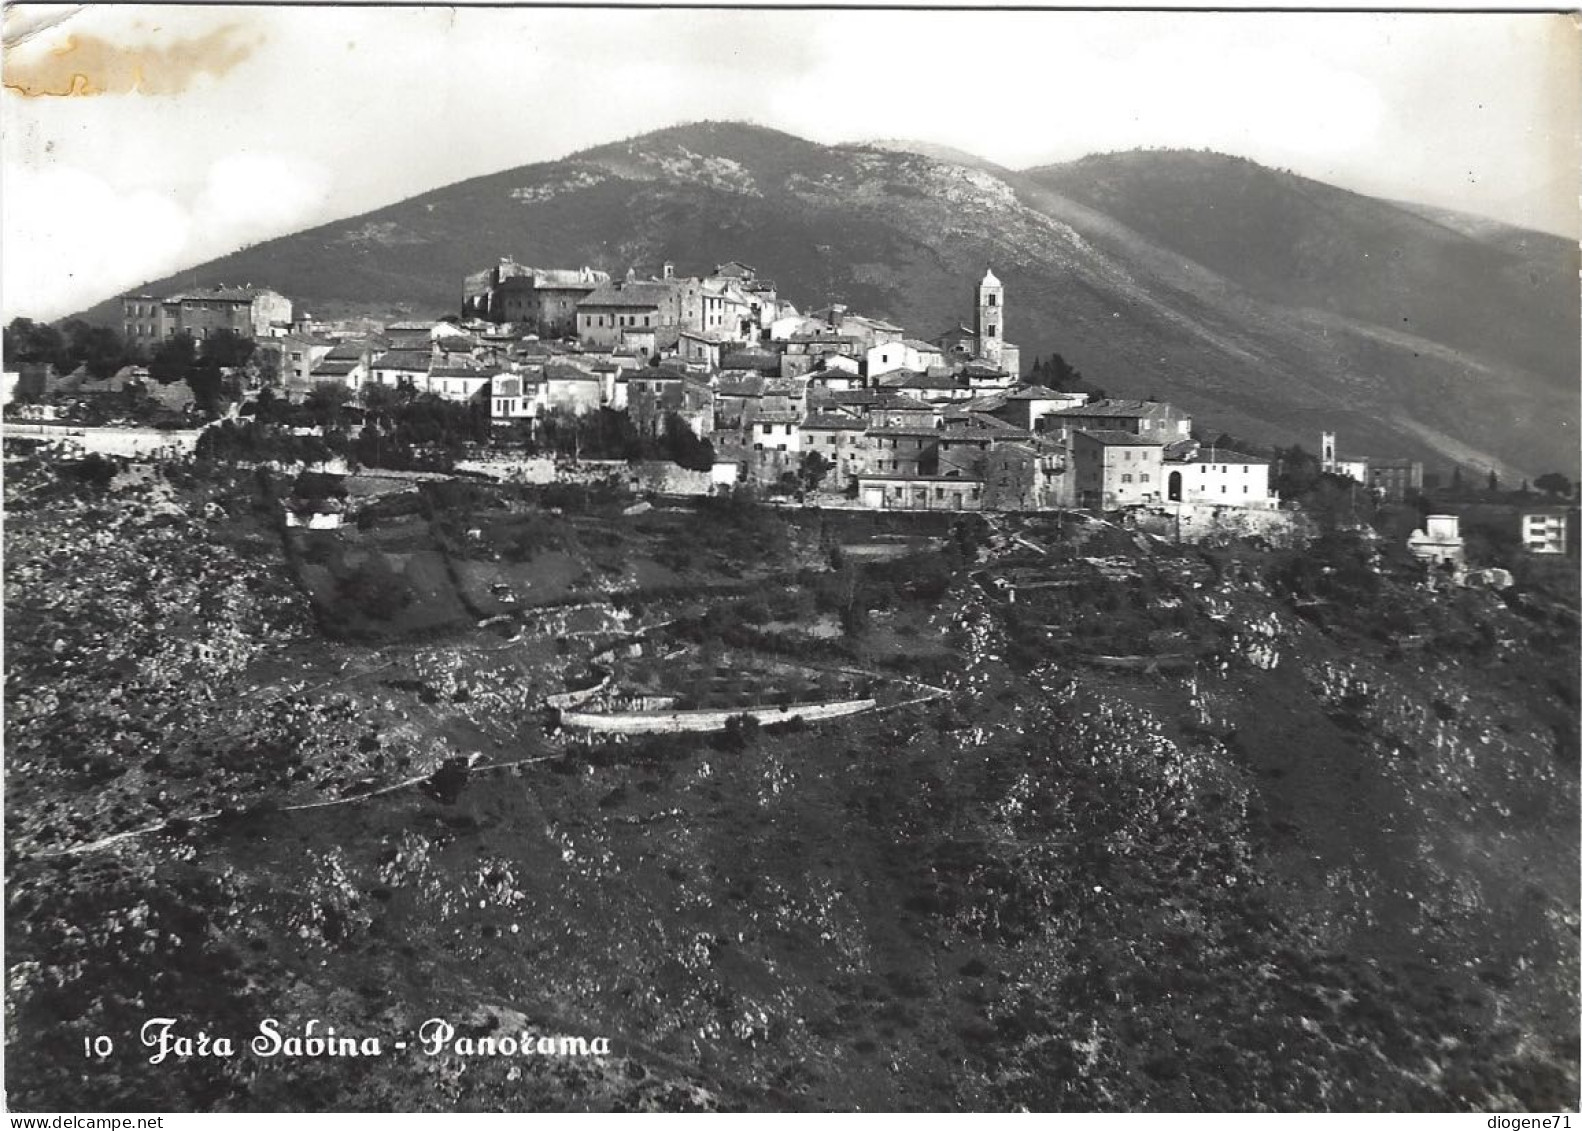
[1248, 295]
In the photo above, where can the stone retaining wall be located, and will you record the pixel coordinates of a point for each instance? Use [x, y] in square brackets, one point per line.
[1199, 521]
[677, 722]
[578, 697]
[125, 442]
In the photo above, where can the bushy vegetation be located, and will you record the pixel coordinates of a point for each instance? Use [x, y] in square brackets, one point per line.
[613, 434]
[74, 344]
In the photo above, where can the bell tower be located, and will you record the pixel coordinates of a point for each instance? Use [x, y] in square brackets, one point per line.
[990, 323]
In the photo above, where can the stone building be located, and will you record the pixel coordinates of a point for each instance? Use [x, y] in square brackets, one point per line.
[604, 316]
[1115, 469]
[541, 299]
[251, 312]
[1154, 420]
[1194, 474]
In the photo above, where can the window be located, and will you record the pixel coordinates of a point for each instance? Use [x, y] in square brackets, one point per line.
[994, 300]
[1126, 455]
[1143, 478]
[1126, 478]
[989, 332]
[1223, 489]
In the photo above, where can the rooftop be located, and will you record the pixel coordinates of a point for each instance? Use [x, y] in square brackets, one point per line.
[1113, 439]
[1118, 409]
[562, 372]
[1223, 455]
[751, 359]
[834, 421]
[912, 379]
[628, 293]
[404, 359]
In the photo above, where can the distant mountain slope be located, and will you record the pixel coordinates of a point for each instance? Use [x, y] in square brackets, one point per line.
[1499, 293]
[1269, 305]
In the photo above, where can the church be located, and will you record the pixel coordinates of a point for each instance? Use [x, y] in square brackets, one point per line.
[984, 343]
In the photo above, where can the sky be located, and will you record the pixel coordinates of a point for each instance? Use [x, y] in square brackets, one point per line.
[137, 140]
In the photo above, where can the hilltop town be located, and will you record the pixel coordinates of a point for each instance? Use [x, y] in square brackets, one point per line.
[712, 382]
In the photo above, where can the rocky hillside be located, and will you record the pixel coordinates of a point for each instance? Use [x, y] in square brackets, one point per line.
[1272, 305]
[1191, 829]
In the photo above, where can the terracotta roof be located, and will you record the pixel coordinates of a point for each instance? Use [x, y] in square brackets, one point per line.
[628, 293]
[554, 372]
[911, 379]
[1224, 455]
[826, 337]
[752, 359]
[879, 398]
[1113, 439]
[404, 359]
[834, 421]
[1118, 409]
[746, 387]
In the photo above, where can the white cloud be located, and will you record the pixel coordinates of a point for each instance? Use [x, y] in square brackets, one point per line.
[94, 240]
[340, 110]
[253, 196]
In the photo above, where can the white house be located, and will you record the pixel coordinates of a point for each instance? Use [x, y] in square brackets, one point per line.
[1219, 476]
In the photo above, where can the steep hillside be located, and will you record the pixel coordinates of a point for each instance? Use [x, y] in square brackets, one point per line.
[1269, 305]
[1177, 829]
[1497, 293]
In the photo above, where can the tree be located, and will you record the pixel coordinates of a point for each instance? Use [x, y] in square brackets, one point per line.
[1296, 472]
[814, 468]
[1059, 374]
[381, 400]
[268, 406]
[226, 349]
[1494, 481]
[173, 358]
[740, 732]
[207, 387]
[27, 340]
[683, 446]
[326, 402]
[98, 348]
[1553, 483]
